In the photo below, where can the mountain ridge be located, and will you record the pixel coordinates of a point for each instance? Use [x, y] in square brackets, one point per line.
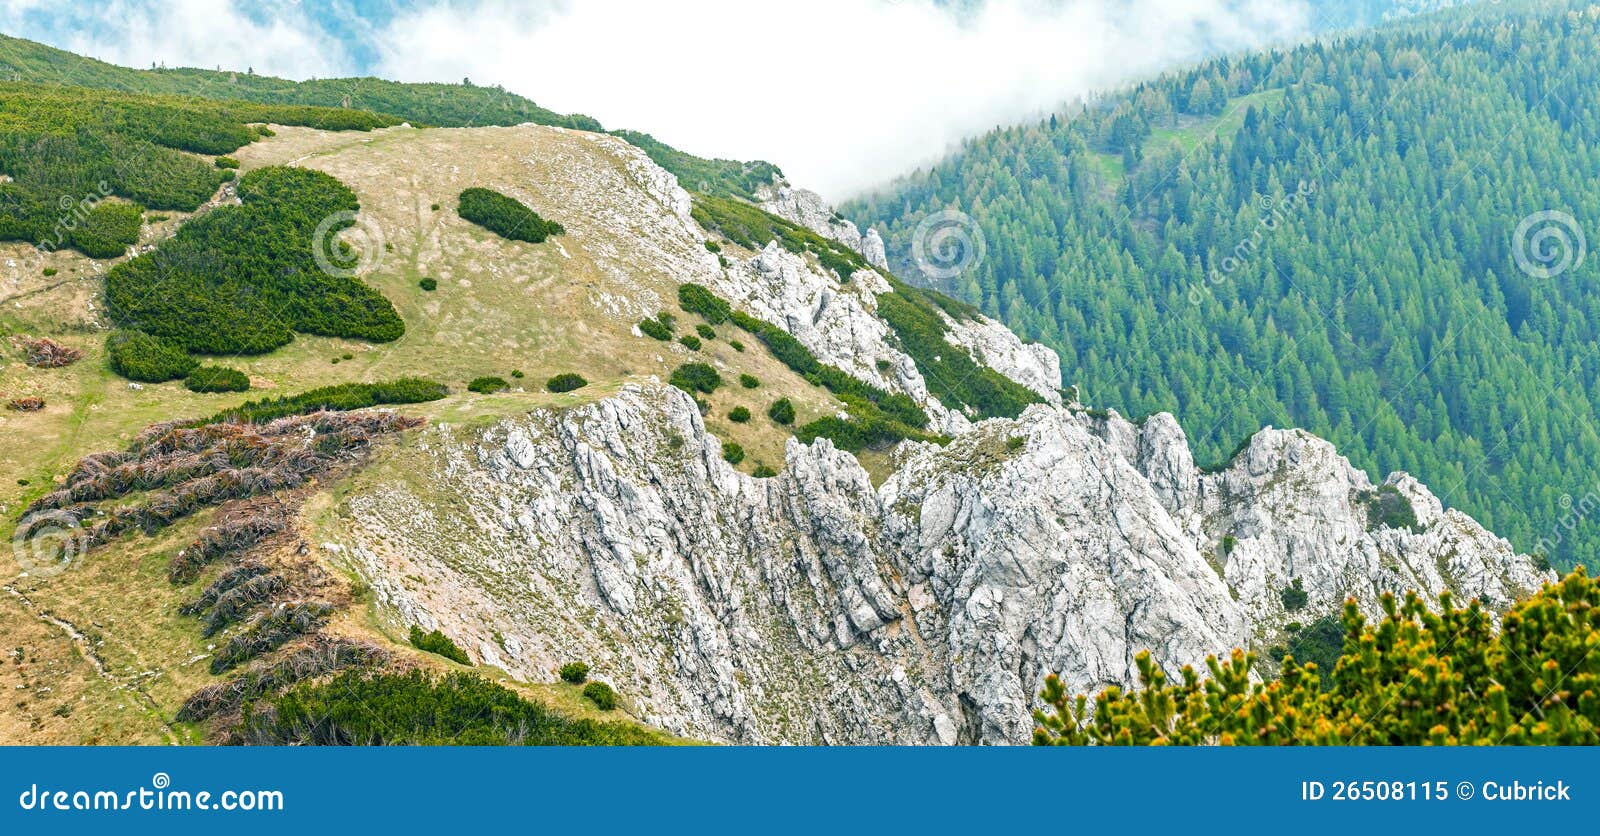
[730, 580]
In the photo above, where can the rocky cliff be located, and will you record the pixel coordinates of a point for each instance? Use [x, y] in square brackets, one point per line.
[812, 607]
[820, 605]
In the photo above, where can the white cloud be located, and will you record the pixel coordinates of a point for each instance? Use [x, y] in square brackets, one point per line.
[842, 94]
[275, 38]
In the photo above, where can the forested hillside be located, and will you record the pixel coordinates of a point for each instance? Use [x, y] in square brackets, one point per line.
[1345, 237]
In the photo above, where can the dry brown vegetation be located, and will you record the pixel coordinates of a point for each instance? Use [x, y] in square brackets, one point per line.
[49, 354]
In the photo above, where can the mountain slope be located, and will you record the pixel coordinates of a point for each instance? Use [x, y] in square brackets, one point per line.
[730, 567]
[1305, 238]
[446, 105]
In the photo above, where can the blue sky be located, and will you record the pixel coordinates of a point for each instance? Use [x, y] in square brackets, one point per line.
[843, 94]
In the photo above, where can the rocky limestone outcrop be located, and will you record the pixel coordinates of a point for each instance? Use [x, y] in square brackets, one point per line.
[990, 343]
[808, 209]
[628, 211]
[812, 607]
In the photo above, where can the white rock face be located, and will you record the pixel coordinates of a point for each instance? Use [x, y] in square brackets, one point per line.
[813, 608]
[808, 209]
[994, 345]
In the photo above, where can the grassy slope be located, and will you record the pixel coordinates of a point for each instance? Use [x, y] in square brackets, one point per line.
[449, 105]
[500, 306]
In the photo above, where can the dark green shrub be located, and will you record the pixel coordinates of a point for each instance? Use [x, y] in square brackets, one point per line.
[732, 453]
[696, 377]
[565, 382]
[690, 342]
[763, 472]
[49, 271]
[344, 397]
[108, 229]
[438, 643]
[739, 415]
[361, 708]
[1321, 642]
[705, 331]
[654, 328]
[516, 374]
[488, 385]
[208, 379]
[713, 246]
[952, 375]
[856, 433]
[782, 411]
[749, 381]
[574, 672]
[737, 346]
[1294, 596]
[243, 279]
[601, 695]
[1387, 507]
[138, 356]
[699, 299]
[505, 216]
[429, 284]
[226, 162]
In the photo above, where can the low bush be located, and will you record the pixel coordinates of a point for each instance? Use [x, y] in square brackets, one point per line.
[488, 385]
[655, 329]
[763, 472]
[109, 229]
[782, 411]
[736, 345]
[360, 708]
[1387, 507]
[749, 381]
[269, 633]
[870, 429]
[226, 162]
[138, 356]
[574, 672]
[601, 695]
[243, 279]
[732, 453]
[696, 377]
[565, 382]
[739, 415]
[1294, 596]
[505, 216]
[341, 398]
[211, 379]
[439, 644]
[429, 284]
[49, 354]
[705, 331]
[690, 342]
[700, 300]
